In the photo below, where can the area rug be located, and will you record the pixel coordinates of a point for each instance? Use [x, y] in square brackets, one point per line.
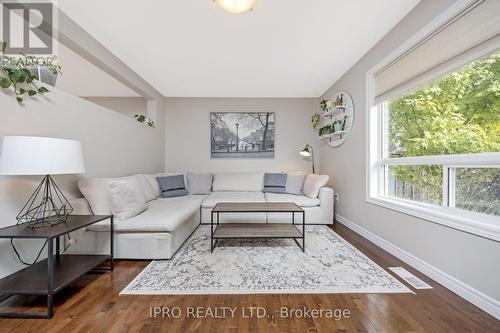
[329, 265]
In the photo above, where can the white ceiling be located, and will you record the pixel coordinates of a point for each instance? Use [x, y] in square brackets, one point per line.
[283, 48]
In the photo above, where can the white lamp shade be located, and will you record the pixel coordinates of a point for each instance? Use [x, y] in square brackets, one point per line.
[305, 153]
[30, 155]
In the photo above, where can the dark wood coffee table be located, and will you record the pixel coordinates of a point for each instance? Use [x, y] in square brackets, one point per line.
[256, 230]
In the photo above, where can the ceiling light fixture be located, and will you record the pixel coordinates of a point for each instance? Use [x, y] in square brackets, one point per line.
[236, 6]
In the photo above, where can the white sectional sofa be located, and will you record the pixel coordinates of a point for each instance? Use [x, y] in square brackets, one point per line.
[159, 231]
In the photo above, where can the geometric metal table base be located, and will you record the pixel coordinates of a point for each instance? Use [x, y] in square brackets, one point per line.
[47, 206]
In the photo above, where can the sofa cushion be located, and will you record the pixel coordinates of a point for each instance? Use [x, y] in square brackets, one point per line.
[274, 182]
[199, 183]
[313, 183]
[295, 183]
[213, 198]
[172, 186]
[151, 178]
[238, 182]
[126, 199]
[147, 189]
[80, 206]
[299, 200]
[162, 215]
[95, 190]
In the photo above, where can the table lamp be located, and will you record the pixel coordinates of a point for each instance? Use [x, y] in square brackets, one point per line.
[28, 155]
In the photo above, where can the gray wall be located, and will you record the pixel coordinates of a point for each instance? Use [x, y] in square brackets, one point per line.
[471, 259]
[188, 133]
[113, 145]
[127, 106]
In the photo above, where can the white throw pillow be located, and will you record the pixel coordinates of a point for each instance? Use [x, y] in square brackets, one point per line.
[95, 190]
[238, 182]
[147, 190]
[313, 183]
[151, 178]
[295, 183]
[125, 198]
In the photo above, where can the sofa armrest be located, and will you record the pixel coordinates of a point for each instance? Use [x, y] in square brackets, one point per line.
[80, 206]
[326, 203]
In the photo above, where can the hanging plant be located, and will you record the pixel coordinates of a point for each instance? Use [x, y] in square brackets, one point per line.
[315, 119]
[143, 119]
[18, 74]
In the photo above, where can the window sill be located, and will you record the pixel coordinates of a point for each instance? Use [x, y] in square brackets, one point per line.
[474, 223]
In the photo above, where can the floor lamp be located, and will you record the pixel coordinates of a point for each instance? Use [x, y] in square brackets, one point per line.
[308, 152]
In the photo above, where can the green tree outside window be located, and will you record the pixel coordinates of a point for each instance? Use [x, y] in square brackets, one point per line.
[457, 114]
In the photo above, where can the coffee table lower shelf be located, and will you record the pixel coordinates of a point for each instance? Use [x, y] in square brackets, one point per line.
[257, 231]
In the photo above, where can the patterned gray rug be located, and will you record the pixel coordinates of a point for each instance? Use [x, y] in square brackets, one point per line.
[329, 265]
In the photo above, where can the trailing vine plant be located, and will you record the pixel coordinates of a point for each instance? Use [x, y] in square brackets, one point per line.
[143, 119]
[15, 74]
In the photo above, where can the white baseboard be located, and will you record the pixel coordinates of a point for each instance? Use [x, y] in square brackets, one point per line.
[479, 299]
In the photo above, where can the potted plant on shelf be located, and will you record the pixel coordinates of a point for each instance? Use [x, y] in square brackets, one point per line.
[338, 126]
[17, 73]
[325, 130]
[46, 73]
[339, 101]
[322, 105]
[326, 105]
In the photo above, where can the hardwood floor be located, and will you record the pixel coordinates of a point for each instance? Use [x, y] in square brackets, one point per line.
[92, 304]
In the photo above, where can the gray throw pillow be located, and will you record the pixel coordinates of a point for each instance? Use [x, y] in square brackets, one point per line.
[295, 183]
[199, 183]
[172, 186]
[274, 182]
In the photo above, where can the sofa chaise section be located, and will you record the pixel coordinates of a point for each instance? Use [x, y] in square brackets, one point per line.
[157, 233]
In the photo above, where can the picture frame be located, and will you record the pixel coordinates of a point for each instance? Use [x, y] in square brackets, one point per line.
[242, 135]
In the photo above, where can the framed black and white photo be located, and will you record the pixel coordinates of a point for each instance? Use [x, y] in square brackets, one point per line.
[242, 134]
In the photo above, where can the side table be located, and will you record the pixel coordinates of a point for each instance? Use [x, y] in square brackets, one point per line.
[49, 276]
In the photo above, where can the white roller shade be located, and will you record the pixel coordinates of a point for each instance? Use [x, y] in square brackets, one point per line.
[462, 39]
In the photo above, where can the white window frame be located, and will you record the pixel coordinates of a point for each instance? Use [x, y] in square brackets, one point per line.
[487, 226]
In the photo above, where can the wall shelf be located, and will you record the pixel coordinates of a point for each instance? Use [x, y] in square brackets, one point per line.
[334, 111]
[343, 113]
[328, 136]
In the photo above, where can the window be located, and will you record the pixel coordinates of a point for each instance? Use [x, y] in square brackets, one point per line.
[440, 143]
[459, 113]
[476, 189]
[434, 131]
